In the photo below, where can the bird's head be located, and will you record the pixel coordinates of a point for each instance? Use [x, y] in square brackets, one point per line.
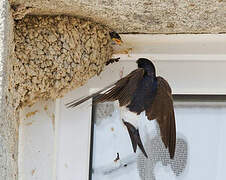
[115, 38]
[147, 65]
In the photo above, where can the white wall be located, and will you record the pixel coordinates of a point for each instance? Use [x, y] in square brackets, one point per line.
[186, 72]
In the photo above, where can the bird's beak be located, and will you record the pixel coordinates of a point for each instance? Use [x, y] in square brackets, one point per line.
[117, 41]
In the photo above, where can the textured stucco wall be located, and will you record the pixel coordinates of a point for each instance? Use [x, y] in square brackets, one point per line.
[8, 114]
[142, 16]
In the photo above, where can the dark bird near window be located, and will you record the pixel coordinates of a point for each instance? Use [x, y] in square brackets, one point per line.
[142, 91]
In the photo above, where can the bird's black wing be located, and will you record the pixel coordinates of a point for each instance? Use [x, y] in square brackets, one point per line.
[163, 111]
[122, 89]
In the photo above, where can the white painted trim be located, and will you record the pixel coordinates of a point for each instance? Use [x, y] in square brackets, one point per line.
[174, 57]
[192, 47]
[73, 142]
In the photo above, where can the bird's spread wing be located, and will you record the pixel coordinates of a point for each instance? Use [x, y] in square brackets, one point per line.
[123, 89]
[162, 110]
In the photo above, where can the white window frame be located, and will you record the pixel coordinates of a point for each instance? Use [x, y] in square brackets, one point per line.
[201, 58]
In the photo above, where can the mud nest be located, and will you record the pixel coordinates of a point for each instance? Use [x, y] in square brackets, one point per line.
[54, 55]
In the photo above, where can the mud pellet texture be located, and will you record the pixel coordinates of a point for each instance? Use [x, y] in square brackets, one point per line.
[54, 55]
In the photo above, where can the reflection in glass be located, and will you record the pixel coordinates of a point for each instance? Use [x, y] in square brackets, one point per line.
[201, 128]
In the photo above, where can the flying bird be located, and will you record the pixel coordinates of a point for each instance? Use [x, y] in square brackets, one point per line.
[139, 91]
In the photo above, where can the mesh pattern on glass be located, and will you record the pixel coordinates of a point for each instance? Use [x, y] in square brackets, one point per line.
[158, 153]
[105, 113]
[103, 110]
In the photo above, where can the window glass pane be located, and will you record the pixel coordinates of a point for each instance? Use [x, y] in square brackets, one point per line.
[200, 149]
